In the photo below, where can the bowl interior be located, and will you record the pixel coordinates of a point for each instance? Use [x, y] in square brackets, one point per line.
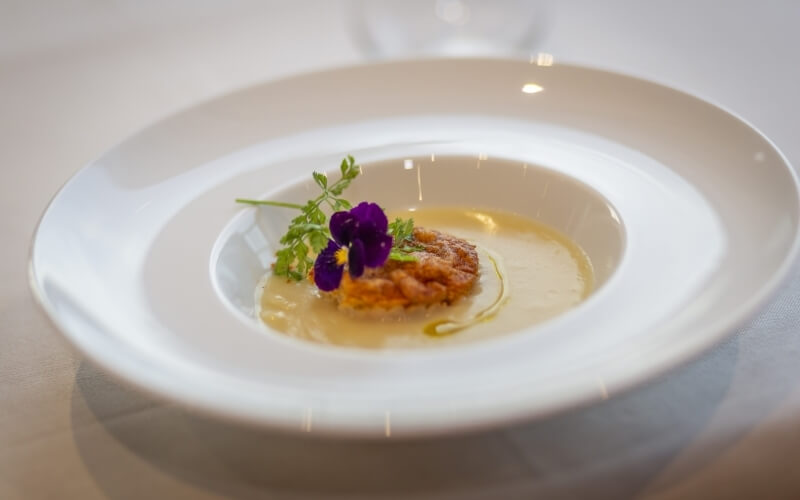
[247, 246]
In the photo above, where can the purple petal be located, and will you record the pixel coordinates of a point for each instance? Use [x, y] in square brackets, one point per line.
[377, 247]
[343, 226]
[327, 273]
[355, 259]
[366, 212]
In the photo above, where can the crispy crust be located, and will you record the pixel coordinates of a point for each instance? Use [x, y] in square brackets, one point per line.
[444, 271]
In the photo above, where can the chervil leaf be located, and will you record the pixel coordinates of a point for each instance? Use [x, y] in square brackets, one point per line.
[284, 260]
[401, 257]
[403, 244]
[341, 204]
[318, 240]
[321, 180]
[317, 216]
[300, 250]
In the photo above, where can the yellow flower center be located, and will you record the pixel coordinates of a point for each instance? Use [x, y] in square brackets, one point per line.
[341, 256]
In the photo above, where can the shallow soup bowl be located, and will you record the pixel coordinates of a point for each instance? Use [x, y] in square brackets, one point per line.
[688, 215]
[246, 248]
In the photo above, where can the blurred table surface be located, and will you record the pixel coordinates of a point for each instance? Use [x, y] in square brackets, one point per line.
[78, 76]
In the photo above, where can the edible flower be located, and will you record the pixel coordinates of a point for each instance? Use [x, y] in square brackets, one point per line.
[359, 240]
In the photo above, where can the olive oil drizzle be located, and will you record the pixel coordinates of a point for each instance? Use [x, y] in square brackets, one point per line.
[447, 326]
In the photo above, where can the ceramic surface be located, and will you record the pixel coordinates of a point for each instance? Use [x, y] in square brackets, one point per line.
[143, 260]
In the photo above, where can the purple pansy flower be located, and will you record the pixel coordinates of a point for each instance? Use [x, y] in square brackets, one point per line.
[359, 240]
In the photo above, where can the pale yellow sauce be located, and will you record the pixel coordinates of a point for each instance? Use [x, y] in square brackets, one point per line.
[539, 273]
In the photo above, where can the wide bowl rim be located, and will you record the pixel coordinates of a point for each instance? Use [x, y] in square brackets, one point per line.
[722, 327]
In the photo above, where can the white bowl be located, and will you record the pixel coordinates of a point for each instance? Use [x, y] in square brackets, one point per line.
[690, 216]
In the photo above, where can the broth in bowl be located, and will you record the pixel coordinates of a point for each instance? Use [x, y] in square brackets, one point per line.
[493, 247]
[528, 273]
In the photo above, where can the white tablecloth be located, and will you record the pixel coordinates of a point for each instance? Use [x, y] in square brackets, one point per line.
[78, 76]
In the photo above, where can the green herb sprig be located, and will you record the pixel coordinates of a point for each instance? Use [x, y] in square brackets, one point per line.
[308, 233]
[402, 232]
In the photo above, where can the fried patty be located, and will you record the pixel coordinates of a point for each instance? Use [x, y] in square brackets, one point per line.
[444, 271]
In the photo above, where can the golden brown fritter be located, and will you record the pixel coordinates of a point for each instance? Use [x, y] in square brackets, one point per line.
[445, 270]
